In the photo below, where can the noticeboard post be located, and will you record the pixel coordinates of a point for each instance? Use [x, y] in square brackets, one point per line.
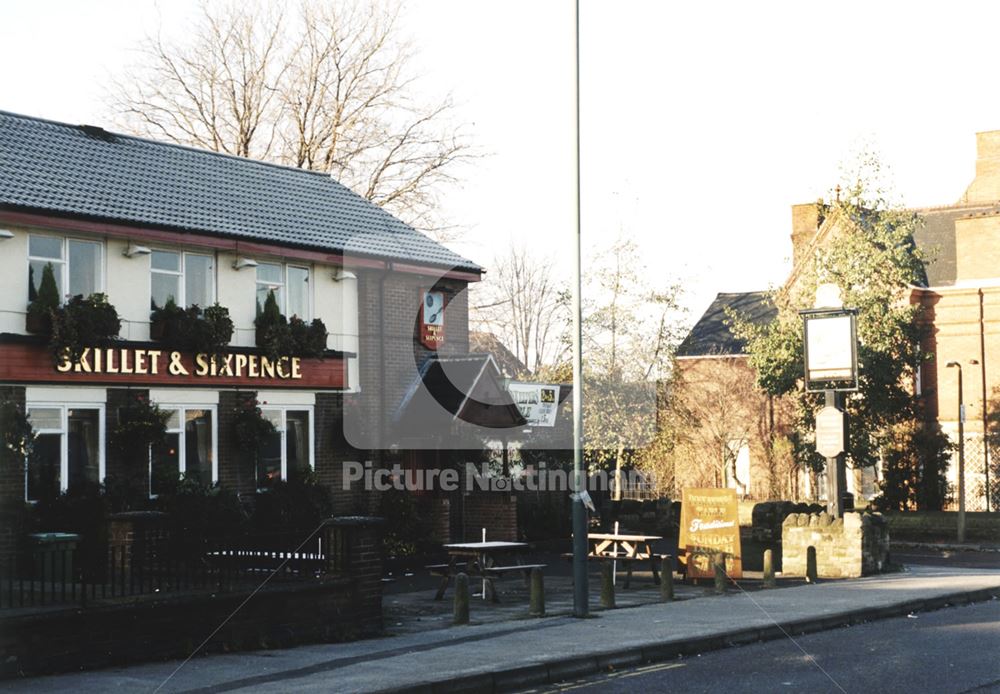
[830, 338]
[830, 343]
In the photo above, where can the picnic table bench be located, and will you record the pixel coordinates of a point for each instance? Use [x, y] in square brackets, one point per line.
[627, 548]
[480, 561]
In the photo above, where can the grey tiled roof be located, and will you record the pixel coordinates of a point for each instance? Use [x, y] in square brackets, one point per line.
[74, 171]
[711, 335]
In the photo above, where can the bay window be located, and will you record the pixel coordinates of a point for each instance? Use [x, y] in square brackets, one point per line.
[68, 449]
[76, 264]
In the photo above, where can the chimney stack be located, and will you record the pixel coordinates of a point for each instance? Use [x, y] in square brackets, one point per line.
[986, 186]
[806, 221]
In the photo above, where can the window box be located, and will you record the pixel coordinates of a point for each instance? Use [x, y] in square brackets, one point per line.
[192, 329]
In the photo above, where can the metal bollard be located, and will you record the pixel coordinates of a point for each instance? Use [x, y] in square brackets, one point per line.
[536, 601]
[811, 572]
[607, 586]
[461, 615]
[666, 578]
[719, 563]
[768, 569]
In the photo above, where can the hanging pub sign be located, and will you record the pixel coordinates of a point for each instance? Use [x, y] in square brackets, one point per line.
[431, 319]
[709, 525]
[831, 349]
[537, 402]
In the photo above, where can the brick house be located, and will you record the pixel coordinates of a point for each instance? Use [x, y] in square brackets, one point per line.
[144, 222]
[961, 296]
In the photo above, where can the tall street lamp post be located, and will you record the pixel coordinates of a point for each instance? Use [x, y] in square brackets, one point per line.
[961, 450]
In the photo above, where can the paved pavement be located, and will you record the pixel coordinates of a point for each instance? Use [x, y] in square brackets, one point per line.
[522, 653]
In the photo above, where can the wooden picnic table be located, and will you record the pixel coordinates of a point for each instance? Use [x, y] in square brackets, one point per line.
[627, 548]
[481, 560]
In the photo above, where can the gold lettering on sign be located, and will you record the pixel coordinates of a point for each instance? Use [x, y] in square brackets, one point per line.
[154, 361]
[125, 366]
[142, 362]
[176, 366]
[110, 366]
[266, 367]
[200, 365]
[82, 364]
[65, 365]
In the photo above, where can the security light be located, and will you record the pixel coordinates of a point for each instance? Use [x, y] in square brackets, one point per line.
[6, 234]
[241, 263]
[341, 274]
[134, 250]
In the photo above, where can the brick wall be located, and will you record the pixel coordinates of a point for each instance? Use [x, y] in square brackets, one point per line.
[334, 608]
[11, 484]
[495, 511]
[115, 465]
[849, 547]
[236, 468]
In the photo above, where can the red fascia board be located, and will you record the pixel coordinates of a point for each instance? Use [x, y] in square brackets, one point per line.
[187, 238]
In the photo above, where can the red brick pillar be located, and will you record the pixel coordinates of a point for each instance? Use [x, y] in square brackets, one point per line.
[354, 548]
[131, 540]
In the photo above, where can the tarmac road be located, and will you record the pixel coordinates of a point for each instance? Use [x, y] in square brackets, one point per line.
[947, 557]
[956, 649]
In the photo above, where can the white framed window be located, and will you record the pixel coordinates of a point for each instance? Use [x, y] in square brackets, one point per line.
[77, 265]
[289, 451]
[189, 448]
[187, 278]
[290, 284]
[68, 450]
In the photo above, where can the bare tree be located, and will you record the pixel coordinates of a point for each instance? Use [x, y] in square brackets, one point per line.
[325, 88]
[525, 307]
[716, 404]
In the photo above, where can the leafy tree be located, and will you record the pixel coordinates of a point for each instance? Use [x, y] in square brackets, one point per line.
[866, 248]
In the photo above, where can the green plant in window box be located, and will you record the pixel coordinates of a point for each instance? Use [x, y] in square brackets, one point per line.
[307, 339]
[164, 321]
[83, 323]
[16, 433]
[45, 301]
[206, 331]
[271, 329]
[279, 336]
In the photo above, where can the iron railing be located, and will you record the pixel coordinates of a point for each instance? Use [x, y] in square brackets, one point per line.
[153, 563]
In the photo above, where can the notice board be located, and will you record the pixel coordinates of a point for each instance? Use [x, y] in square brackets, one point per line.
[710, 524]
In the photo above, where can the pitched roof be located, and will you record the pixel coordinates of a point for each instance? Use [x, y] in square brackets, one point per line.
[711, 335]
[456, 390]
[84, 171]
[488, 343]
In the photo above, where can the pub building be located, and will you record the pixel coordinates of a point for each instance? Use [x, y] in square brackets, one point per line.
[147, 223]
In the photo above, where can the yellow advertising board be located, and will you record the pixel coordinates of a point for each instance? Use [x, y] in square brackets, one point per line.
[710, 524]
